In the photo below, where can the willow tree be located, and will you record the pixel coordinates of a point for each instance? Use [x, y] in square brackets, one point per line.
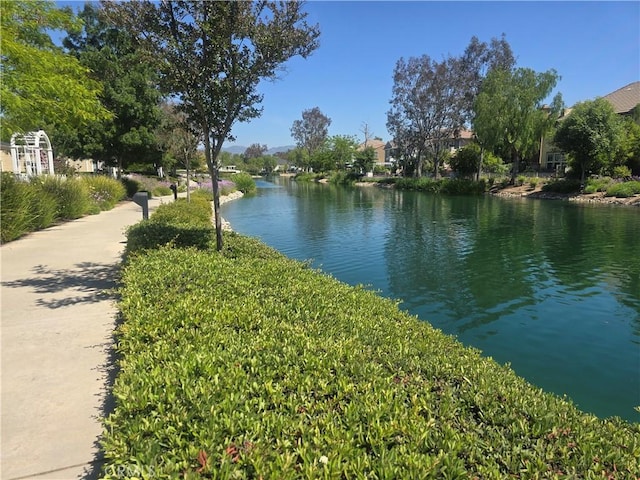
[510, 113]
[212, 56]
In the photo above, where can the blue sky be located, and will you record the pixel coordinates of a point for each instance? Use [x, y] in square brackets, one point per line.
[594, 47]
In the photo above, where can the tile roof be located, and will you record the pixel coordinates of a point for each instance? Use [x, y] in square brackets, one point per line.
[625, 98]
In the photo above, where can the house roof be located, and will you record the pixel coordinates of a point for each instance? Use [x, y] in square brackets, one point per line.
[625, 98]
[375, 144]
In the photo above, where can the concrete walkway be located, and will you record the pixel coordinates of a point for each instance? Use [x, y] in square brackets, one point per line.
[58, 316]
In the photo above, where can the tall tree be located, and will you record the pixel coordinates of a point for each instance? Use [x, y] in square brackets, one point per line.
[213, 55]
[365, 159]
[591, 134]
[255, 150]
[311, 132]
[510, 114]
[343, 148]
[129, 91]
[427, 106]
[42, 86]
[177, 139]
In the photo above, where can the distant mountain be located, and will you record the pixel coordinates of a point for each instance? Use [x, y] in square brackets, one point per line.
[240, 149]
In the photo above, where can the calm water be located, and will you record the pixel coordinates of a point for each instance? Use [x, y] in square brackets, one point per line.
[550, 287]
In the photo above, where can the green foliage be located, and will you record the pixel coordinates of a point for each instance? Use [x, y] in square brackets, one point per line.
[71, 194]
[600, 184]
[364, 160]
[308, 177]
[129, 91]
[198, 211]
[621, 171]
[623, 189]
[465, 162]
[343, 177]
[509, 114]
[131, 186]
[244, 182]
[562, 186]
[44, 200]
[15, 213]
[251, 365]
[180, 223]
[105, 192]
[42, 86]
[161, 191]
[591, 135]
[448, 186]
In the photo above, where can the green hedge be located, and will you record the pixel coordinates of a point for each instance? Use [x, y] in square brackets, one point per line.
[181, 223]
[246, 364]
[448, 186]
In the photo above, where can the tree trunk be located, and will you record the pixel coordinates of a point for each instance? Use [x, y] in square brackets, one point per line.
[480, 164]
[213, 172]
[187, 163]
[516, 167]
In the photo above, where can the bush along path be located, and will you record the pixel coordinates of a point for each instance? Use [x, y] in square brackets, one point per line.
[246, 364]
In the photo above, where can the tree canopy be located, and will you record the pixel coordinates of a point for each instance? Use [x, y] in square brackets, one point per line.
[41, 86]
[591, 134]
[510, 114]
[212, 56]
[311, 132]
[129, 91]
[433, 100]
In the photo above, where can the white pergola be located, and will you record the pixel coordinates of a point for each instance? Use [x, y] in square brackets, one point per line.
[31, 153]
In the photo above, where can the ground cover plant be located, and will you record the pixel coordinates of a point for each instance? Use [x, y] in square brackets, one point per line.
[449, 186]
[246, 364]
[181, 223]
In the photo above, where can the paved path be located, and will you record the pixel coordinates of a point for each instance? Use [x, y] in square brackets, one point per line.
[58, 317]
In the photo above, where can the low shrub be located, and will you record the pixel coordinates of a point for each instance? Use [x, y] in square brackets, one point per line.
[131, 185]
[621, 171]
[71, 194]
[198, 210]
[448, 186]
[244, 183]
[162, 191]
[594, 185]
[243, 367]
[180, 223]
[308, 177]
[105, 192]
[43, 206]
[16, 217]
[562, 186]
[343, 177]
[623, 189]
[461, 186]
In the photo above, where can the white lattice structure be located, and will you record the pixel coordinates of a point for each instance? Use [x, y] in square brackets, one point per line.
[31, 153]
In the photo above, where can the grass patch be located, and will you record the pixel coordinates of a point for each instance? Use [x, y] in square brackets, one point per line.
[245, 364]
